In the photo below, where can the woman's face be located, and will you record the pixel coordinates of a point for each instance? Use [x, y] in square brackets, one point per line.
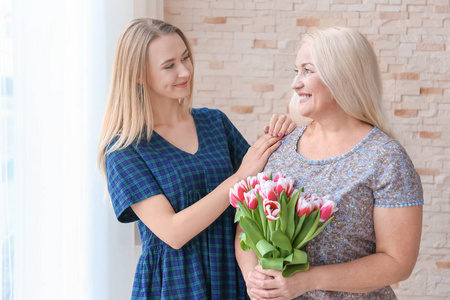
[169, 68]
[315, 99]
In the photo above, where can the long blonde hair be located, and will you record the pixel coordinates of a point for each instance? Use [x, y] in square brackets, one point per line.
[129, 114]
[348, 66]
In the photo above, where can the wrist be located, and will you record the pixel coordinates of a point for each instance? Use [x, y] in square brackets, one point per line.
[314, 280]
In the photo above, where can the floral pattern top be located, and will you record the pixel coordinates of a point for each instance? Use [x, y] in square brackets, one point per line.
[377, 172]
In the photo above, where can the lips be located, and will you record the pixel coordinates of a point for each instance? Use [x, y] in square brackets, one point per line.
[303, 97]
[182, 84]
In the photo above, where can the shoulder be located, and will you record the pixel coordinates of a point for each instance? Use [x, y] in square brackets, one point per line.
[212, 117]
[205, 112]
[385, 147]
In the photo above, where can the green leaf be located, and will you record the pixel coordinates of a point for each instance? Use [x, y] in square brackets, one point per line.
[243, 243]
[284, 217]
[272, 263]
[267, 249]
[291, 269]
[298, 227]
[308, 228]
[299, 257]
[237, 215]
[262, 215]
[245, 211]
[280, 240]
[251, 229]
[319, 230]
[290, 228]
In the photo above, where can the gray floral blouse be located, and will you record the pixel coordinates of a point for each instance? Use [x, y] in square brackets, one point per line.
[377, 172]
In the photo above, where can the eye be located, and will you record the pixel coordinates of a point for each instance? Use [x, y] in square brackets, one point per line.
[307, 71]
[296, 72]
[186, 57]
[169, 66]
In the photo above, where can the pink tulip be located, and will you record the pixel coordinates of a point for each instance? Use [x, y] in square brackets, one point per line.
[267, 191]
[286, 185]
[277, 176]
[237, 193]
[263, 176]
[272, 209]
[327, 209]
[250, 199]
[304, 207]
[252, 181]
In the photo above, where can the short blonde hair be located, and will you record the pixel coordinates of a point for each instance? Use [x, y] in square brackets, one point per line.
[348, 66]
[129, 114]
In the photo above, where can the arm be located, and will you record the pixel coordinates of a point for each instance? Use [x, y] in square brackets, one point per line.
[398, 232]
[176, 229]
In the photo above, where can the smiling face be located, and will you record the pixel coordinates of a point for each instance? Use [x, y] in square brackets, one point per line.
[169, 69]
[315, 99]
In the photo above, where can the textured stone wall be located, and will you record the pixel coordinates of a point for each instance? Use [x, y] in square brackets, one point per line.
[244, 53]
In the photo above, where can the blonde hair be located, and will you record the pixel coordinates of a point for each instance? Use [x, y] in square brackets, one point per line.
[348, 66]
[129, 114]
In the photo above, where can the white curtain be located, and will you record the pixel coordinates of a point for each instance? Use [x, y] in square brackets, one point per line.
[66, 241]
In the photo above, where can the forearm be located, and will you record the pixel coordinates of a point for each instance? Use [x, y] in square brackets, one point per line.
[194, 219]
[359, 276]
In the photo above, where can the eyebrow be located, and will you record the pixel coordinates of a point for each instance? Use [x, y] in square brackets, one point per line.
[304, 64]
[172, 59]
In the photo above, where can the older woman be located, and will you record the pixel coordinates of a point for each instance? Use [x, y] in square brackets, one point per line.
[346, 151]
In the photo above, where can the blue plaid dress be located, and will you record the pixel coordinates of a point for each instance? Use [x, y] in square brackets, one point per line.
[204, 268]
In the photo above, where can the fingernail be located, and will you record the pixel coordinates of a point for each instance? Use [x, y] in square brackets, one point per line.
[271, 132]
[280, 134]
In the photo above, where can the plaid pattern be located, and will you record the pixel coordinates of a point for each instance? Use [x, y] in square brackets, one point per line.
[205, 268]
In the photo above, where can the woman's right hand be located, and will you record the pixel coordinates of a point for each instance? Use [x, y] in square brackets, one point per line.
[257, 155]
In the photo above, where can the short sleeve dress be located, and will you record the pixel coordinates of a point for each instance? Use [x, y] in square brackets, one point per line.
[377, 172]
[205, 267]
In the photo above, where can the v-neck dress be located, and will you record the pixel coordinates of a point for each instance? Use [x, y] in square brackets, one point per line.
[205, 267]
[377, 172]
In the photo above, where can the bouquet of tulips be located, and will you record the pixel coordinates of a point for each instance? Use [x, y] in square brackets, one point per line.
[278, 221]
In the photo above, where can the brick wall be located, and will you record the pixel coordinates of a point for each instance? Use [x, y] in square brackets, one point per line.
[244, 52]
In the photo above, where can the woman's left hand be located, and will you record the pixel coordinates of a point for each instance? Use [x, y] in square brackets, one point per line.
[270, 284]
[280, 125]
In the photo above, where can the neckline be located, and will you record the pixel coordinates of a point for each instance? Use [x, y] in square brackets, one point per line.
[335, 158]
[197, 129]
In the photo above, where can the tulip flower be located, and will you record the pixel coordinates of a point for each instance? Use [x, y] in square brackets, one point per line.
[277, 176]
[250, 199]
[252, 181]
[304, 207]
[263, 176]
[237, 193]
[272, 209]
[267, 191]
[286, 185]
[327, 209]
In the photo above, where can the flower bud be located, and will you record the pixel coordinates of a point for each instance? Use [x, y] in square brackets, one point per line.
[272, 209]
[237, 193]
[250, 199]
[327, 209]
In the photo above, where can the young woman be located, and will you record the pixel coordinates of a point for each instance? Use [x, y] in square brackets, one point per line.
[347, 152]
[170, 167]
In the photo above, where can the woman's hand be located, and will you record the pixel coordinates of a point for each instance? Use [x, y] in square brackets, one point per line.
[270, 284]
[257, 156]
[280, 125]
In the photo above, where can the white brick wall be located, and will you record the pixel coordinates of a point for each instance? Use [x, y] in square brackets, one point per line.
[244, 52]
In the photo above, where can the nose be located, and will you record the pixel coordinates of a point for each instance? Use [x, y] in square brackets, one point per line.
[297, 83]
[183, 71]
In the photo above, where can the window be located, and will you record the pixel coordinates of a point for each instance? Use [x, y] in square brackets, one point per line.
[7, 149]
